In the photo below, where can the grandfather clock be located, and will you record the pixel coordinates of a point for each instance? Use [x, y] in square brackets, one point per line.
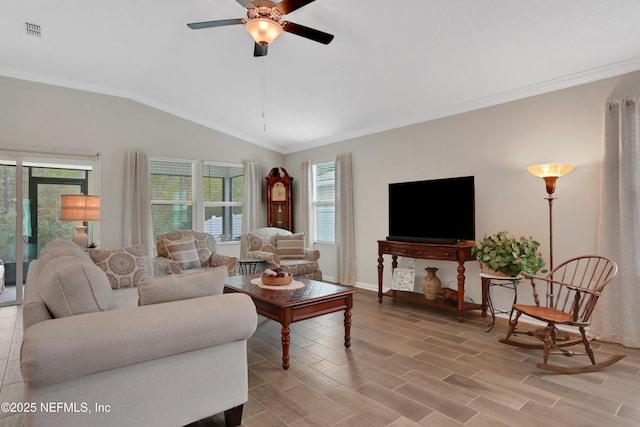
[279, 202]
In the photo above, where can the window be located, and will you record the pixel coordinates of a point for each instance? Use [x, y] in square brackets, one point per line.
[203, 196]
[324, 201]
[171, 195]
[222, 195]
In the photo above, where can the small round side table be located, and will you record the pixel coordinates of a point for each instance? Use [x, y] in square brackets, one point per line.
[248, 266]
[489, 281]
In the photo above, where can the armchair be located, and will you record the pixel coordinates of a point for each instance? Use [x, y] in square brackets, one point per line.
[185, 251]
[282, 249]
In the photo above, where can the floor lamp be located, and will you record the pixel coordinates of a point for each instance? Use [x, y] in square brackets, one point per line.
[550, 172]
[81, 208]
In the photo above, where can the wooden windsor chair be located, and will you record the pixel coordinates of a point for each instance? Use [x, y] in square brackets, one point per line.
[573, 289]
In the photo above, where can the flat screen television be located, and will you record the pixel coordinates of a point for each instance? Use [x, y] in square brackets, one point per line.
[432, 211]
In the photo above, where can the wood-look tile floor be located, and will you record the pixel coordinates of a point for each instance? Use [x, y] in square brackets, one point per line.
[407, 366]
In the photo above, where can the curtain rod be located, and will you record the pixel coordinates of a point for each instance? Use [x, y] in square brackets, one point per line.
[628, 100]
[59, 154]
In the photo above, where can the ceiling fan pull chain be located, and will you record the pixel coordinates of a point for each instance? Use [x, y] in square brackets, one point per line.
[264, 93]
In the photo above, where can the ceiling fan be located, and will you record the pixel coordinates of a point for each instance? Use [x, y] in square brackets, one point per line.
[264, 23]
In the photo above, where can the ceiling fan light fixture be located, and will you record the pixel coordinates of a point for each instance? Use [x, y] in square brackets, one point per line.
[263, 30]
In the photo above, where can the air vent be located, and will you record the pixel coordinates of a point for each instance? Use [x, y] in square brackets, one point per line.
[32, 29]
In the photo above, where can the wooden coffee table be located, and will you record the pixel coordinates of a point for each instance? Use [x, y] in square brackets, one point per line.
[289, 306]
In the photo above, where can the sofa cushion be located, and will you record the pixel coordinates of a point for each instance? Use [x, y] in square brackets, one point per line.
[61, 247]
[154, 290]
[124, 267]
[290, 247]
[69, 287]
[184, 252]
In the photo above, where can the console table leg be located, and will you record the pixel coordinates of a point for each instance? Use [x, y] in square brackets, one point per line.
[380, 269]
[461, 270]
[347, 328]
[286, 340]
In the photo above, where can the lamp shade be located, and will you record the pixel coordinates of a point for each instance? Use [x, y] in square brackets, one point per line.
[264, 31]
[79, 207]
[550, 169]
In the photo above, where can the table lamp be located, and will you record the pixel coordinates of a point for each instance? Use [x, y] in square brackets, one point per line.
[81, 208]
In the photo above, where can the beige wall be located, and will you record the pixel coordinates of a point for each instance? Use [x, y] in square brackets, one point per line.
[495, 145]
[50, 118]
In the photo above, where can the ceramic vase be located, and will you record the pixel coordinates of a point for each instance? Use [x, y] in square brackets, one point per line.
[431, 284]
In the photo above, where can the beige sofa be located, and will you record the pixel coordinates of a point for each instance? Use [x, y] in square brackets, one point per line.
[188, 251]
[281, 248]
[91, 356]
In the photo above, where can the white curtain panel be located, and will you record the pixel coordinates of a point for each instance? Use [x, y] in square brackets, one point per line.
[305, 203]
[137, 202]
[617, 314]
[252, 214]
[345, 223]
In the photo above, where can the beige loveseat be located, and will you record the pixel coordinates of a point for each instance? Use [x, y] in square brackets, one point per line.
[187, 251]
[91, 356]
[281, 249]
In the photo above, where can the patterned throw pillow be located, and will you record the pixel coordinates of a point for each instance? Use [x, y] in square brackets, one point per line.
[124, 267]
[184, 252]
[290, 247]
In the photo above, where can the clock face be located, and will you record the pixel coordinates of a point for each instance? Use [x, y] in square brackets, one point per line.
[278, 192]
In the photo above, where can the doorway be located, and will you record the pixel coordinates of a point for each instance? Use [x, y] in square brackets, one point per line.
[33, 191]
[44, 194]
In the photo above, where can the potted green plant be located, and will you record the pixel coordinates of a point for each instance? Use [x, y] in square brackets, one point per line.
[503, 254]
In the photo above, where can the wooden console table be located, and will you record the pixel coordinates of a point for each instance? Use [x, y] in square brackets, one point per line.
[459, 252]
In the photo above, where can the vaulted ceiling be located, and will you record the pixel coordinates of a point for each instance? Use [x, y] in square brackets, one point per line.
[392, 63]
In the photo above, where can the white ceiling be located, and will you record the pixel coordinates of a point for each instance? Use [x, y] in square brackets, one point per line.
[392, 63]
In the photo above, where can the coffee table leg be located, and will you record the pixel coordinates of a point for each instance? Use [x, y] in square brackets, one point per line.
[286, 339]
[347, 328]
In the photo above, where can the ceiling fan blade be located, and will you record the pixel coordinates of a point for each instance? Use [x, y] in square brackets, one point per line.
[246, 3]
[219, 23]
[306, 32]
[288, 6]
[260, 49]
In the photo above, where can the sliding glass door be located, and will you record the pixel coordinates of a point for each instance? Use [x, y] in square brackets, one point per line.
[11, 242]
[31, 192]
[45, 211]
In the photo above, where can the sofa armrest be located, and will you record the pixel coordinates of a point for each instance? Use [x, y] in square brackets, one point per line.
[62, 349]
[164, 266]
[311, 254]
[218, 260]
[269, 257]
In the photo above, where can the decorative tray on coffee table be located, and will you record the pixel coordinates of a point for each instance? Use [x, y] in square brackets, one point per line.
[276, 278]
